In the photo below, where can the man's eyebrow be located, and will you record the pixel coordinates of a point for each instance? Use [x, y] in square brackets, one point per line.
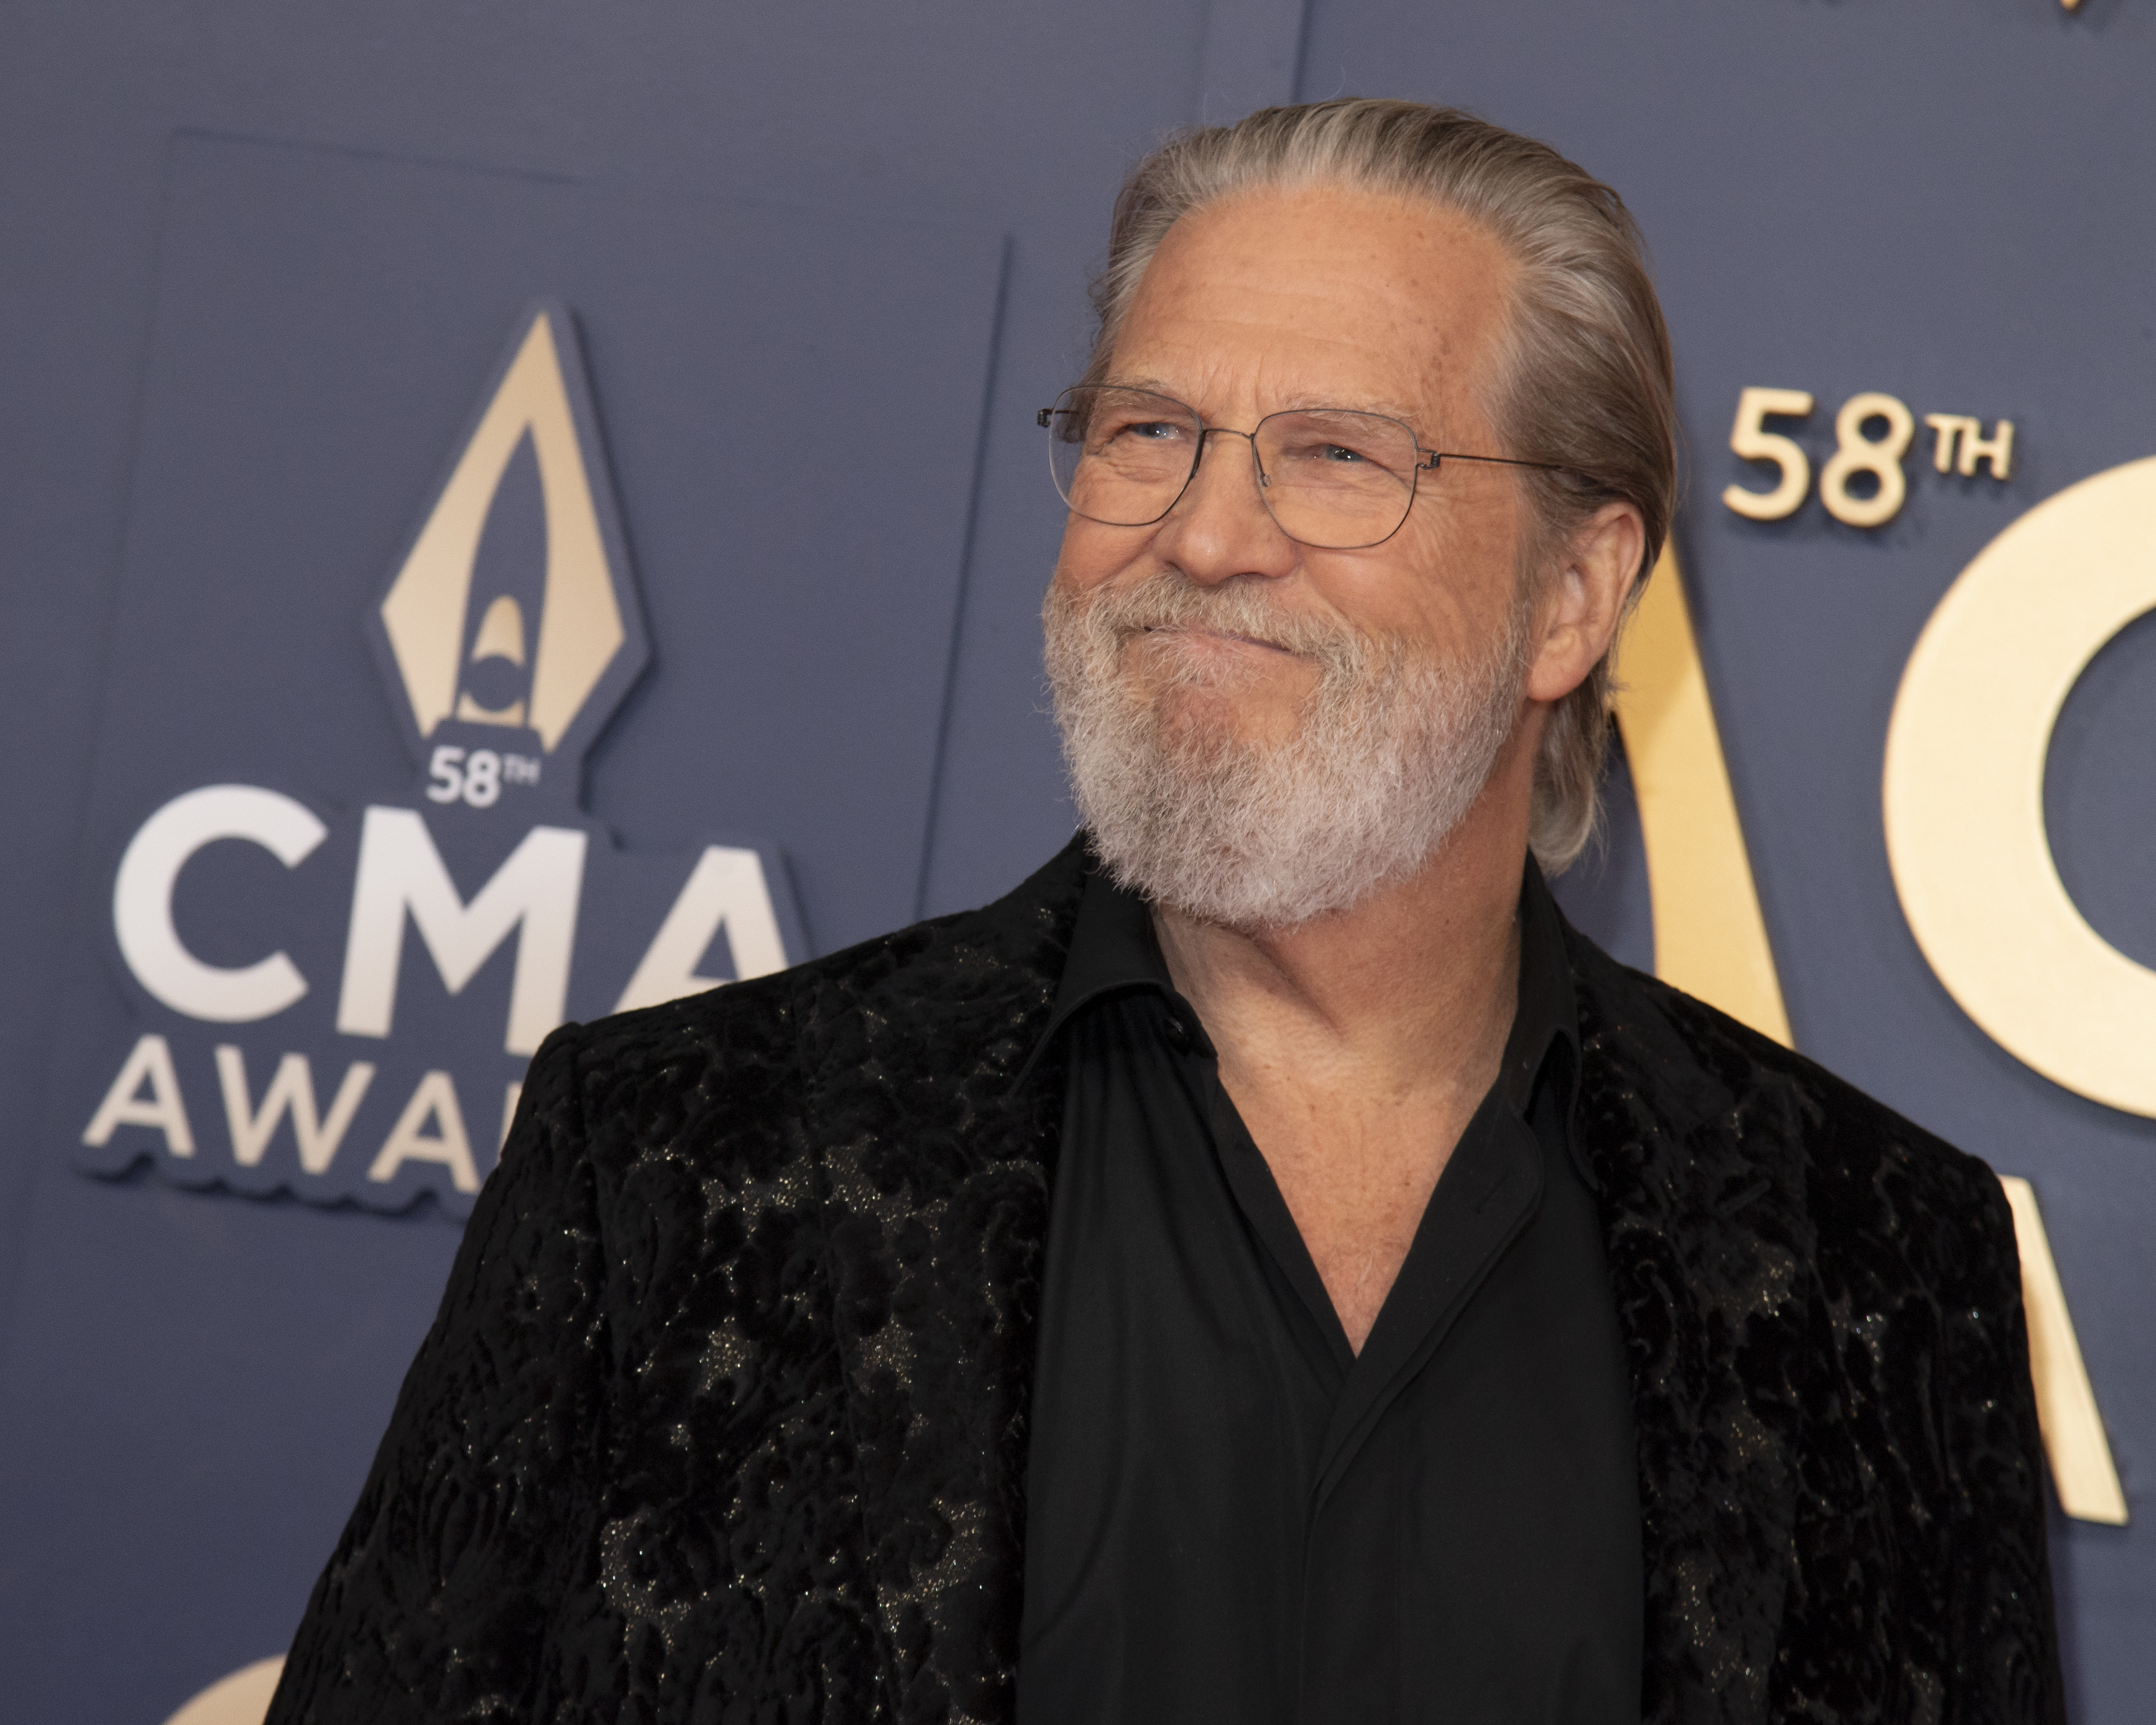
[1390, 410]
[1365, 405]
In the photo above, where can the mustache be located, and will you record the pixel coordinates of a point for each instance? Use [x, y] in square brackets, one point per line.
[1165, 600]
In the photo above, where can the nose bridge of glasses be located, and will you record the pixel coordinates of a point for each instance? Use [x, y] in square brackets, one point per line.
[1205, 433]
[1258, 464]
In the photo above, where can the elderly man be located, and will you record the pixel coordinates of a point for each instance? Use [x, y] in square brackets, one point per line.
[1268, 1267]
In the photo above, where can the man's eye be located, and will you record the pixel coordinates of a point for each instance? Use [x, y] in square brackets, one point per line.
[1324, 453]
[1151, 430]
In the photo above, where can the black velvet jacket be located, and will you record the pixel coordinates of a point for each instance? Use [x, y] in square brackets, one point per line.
[724, 1416]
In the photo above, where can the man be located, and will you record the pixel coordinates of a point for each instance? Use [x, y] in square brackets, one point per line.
[1268, 1266]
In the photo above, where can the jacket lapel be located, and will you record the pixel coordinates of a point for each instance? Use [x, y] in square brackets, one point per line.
[934, 1167]
[1712, 1311]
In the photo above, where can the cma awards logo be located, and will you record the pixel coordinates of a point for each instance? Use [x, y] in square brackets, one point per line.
[507, 636]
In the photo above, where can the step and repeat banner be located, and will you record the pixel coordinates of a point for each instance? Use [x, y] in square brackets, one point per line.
[513, 512]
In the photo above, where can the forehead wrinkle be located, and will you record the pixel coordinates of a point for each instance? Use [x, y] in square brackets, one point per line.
[1155, 386]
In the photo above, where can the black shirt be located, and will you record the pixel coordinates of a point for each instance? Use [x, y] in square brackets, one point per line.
[1231, 1516]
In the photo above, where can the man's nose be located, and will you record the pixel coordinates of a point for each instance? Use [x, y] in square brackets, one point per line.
[1219, 527]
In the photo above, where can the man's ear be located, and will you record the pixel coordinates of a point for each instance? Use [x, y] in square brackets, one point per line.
[1583, 603]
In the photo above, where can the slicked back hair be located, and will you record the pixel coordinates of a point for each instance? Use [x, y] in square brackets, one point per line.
[1584, 381]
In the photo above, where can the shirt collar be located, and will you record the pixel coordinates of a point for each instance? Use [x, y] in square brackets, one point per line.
[1114, 950]
[1544, 1044]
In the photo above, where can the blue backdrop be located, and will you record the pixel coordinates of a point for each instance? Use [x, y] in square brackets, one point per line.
[260, 267]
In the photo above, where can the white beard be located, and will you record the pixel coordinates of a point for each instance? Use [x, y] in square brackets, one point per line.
[1393, 748]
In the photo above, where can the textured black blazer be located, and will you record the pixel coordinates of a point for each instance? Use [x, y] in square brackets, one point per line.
[724, 1415]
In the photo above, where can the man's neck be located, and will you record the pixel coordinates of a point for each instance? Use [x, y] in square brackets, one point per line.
[1417, 982]
[1357, 1047]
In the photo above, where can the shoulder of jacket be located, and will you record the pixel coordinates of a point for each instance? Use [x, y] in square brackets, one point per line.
[1712, 1080]
[978, 958]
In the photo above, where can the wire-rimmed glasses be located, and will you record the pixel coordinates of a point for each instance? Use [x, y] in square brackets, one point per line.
[1335, 478]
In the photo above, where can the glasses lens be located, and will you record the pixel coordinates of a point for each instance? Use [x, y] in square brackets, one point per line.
[1335, 479]
[1120, 457]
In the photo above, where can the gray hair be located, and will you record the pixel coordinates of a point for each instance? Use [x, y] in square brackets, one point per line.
[1584, 382]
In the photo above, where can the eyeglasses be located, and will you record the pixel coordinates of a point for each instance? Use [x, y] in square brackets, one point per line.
[1334, 478]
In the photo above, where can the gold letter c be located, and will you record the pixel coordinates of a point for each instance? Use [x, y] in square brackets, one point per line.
[1964, 787]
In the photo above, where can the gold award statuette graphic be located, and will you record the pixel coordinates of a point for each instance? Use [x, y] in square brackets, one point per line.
[507, 636]
[425, 613]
